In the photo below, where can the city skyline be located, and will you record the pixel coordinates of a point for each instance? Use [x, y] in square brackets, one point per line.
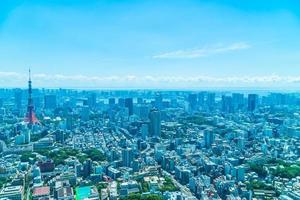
[149, 100]
[146, 44]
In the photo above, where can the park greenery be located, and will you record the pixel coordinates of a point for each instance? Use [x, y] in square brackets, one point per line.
[287, 171]
[168, 185]
[59, 156]
[3, 181]
[277, 168]
[28, 157]
[144, 186]
[259, 169]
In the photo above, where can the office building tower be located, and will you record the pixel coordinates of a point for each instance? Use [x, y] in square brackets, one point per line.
[129, 105]
[87, 168]
[92, 100]
[211, 100]
[38, 102]
[240, 173]
[227, 105]
[144, 112]
[238, 101]
[208, 138]
[27, 134]
[252, 102]
[85, 113]
[155, 123]
[50, 101]
[18, 99]
[192, 99]
[121, 102]
[144, 131]
[69, 121]
[60, 136]
[127, 157]
[111, 102]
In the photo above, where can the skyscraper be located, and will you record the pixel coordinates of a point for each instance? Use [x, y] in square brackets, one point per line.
[111, 102]
[155, 123]
[92, 100]
[121, 102]
[127, 157]
[252, 102]
[208, 138]
[227, 105]
[192, 99]
[238, 101]
[18, 99]
[129, 105]
[211, 100]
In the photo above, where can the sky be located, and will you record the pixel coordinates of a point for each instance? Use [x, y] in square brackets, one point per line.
[150, 43]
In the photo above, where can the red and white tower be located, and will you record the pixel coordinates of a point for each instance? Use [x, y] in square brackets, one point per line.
[30, 116]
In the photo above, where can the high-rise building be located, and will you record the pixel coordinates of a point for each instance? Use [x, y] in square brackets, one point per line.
[129, 105]
[27, 134]
[69, 121]
[192, 99]
[50, 101]
[127, 157]
[252, 102]
[144, 112]
[85, 113]
[144, 131]
[18, 99]
[155, 123]
[121, 102]
[211, 100]
[227, 105]
[208, 138]
[111, 102]
[92, 100]
[59, 136]
[87, 168]
[238, 101]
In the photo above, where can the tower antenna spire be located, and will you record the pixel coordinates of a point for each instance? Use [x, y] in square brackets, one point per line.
[29, 74]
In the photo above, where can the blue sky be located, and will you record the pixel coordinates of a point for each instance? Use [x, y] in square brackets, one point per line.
[145, 44]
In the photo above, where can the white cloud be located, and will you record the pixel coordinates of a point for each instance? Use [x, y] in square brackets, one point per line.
[202, 52]
[13, 79]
